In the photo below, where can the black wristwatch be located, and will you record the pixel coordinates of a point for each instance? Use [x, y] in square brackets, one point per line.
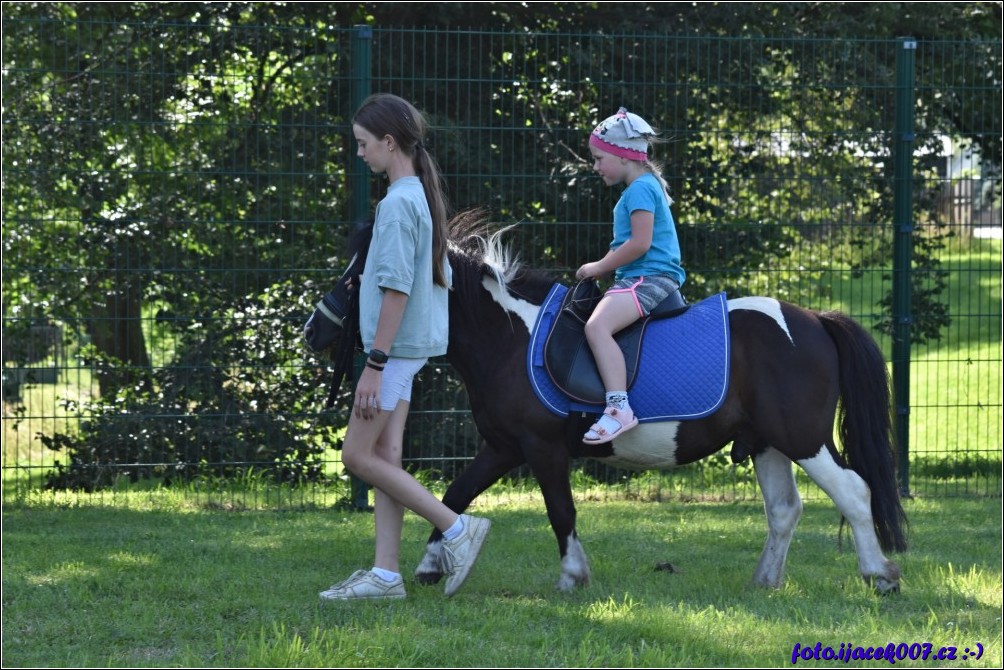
[378, 356]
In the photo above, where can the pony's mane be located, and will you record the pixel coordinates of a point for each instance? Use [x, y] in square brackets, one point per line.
[479, 248]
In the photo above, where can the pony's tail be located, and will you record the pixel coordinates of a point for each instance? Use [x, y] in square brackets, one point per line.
[865, 423]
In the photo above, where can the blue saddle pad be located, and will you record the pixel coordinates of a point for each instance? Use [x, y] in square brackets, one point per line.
[683, 372]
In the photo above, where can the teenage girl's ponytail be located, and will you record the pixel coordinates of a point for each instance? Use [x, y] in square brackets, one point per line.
[428, 173]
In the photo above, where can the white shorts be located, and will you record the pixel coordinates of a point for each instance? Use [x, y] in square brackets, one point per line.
[396, 379]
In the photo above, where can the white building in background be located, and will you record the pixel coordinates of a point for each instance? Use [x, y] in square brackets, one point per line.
[970, 203]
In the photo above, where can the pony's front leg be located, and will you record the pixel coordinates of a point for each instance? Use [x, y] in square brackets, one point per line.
[487, 468]
[550, 467]
[852, 497]
[783, 507]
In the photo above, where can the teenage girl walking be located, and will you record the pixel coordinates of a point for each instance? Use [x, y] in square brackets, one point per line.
[404, 320]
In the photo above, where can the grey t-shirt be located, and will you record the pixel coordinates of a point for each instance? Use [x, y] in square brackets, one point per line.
[400, 258]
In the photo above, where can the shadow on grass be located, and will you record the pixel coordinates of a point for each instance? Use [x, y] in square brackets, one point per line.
[107, 586]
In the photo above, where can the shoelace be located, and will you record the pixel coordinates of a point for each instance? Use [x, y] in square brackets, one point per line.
[448, 558]
[355, 578]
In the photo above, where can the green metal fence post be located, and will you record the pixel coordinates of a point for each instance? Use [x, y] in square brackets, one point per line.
[902, 312]
[359, 182]
[362, 58]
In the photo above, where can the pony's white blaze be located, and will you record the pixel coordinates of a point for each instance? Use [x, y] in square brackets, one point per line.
[526, 311]
[648, 446]
[767, 306]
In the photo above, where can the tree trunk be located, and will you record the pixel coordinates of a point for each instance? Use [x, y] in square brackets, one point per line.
[116, 331]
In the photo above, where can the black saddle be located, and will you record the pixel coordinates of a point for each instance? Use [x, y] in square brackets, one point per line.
[567, 356]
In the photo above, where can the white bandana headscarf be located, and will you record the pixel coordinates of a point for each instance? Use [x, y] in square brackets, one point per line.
[624, 134]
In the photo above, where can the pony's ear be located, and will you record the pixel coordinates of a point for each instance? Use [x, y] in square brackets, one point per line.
[360, 238]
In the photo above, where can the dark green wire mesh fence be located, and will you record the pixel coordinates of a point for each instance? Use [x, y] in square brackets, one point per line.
[177, 196]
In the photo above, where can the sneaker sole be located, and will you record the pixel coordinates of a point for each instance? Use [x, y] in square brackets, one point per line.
[456, 580]
[331, 599]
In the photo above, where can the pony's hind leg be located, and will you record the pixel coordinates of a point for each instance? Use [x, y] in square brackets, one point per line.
[852, 497]
[783, 507]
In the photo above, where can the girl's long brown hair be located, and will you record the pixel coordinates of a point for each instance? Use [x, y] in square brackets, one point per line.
[386, 114]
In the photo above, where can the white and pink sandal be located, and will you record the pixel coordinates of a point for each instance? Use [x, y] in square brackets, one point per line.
[612, 424]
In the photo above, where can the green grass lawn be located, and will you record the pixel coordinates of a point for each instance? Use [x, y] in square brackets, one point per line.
[161, 582]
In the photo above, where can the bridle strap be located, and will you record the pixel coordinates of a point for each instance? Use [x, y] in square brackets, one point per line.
[341, 357]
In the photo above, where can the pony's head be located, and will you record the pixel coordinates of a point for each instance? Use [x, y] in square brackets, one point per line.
[331, 316]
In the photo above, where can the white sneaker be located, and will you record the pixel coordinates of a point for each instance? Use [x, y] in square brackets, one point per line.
[364, 585]
[459, 556]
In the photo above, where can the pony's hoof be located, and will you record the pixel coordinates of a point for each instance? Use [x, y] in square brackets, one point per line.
[567, 583]
[430, 569]
[428, 578]
[884, 586]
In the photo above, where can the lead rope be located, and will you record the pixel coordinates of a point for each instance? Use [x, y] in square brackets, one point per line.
[341, 357]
